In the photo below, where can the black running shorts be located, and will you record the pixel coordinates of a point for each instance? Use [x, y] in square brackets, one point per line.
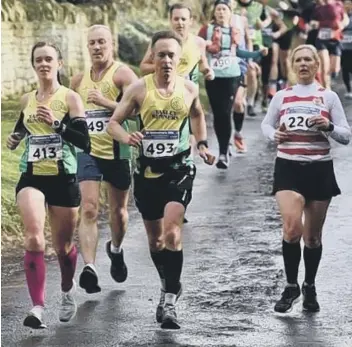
[313, 180]
[152, 194]
[60, 190]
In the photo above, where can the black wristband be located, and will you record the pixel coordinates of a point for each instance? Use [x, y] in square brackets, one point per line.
[330, 128]
[202, 142]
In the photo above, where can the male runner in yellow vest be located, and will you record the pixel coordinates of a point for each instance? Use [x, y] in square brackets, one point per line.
[101, 87]
[165, 170]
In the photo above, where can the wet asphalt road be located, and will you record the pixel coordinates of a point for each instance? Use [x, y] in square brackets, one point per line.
[233, 272]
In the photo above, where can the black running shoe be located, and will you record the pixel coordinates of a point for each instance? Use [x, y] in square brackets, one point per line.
[310, 302]
[288, 298]
[118, 268]
[185, 220]
[250, 111]
[169, 320]
[160, 307]
[223, 161]
[88, 280]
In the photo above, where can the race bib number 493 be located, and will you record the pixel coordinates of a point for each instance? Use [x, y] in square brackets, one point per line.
[98, 120]
[160, 143]
[45, 147]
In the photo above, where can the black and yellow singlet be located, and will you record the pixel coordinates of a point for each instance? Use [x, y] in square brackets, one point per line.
[46, 153]
[102, 145]
[164, 122]
[189, 62]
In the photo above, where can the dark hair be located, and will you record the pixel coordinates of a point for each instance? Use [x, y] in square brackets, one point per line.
[167, 34]
[49, 44]
[180, 6]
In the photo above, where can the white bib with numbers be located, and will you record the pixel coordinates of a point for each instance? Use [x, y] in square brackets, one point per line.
[160, 143]
[325, 34]
[97, 121]
[298, 118]
[347, 38]
[45, 147]
[222, 62]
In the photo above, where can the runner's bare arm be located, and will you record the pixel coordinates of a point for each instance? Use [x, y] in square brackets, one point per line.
[147, 64]
[197, 116]
[76, 81]
[203, 63]
[124, 109]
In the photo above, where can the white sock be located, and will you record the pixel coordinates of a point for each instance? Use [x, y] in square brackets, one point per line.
[163, 284]
[238, 134]
[114, 249]
[92, 266]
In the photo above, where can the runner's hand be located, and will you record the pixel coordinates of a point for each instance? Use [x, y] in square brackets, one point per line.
[134, 139]
[206, 155]
[264, 51]
[209, 74]
[320, 122]
[46, 115]
[13, 141]
[281, 134]
[96, 97]
[275, 35]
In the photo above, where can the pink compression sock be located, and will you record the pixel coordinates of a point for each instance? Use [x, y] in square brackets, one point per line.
[68, 267]
[34, 266]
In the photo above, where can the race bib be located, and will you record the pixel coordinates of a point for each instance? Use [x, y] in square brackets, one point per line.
[44, 147]
[222, 63]
[298, 118]
[97, 120]
[268, 32]
[347, 38]
[325, 34]
[251, 33]
[160, 143]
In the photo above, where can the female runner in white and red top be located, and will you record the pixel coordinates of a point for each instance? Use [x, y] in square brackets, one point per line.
[306, 115]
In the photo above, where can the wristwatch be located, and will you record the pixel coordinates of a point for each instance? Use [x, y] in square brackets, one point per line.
[202, 143]
[56, 124]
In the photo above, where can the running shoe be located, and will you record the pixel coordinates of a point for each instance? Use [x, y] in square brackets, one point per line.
[88, 280]
[288, 297]
[169, 319]
[118, 268]
[310, 302]
[223, 162]
[68, 305]
[34, 318]
[160, 307]
[240, 144]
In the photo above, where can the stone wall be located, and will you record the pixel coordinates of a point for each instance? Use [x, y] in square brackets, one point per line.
[28, 21]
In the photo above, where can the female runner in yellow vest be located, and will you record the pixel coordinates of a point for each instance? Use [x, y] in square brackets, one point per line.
[52, 123]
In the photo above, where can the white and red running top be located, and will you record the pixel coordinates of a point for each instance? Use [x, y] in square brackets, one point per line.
[293, 107]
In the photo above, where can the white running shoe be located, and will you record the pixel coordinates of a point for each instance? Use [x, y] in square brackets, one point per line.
[348, 96]
[68, 304]
[34, 318]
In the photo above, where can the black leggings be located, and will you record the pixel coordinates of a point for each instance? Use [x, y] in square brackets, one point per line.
[346, 66]
[221, 92]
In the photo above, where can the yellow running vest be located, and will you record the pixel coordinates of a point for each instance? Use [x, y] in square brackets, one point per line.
[98, 116]
[164, 122]
[44, 147]
[188, 65]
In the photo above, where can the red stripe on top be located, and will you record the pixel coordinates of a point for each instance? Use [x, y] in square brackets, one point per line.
[325, 114]
[306, 138]
[295, 98]
[304, 151]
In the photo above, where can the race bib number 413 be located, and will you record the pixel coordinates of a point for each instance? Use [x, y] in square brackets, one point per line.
[45, 147]
[160, 143]
[98, 120]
